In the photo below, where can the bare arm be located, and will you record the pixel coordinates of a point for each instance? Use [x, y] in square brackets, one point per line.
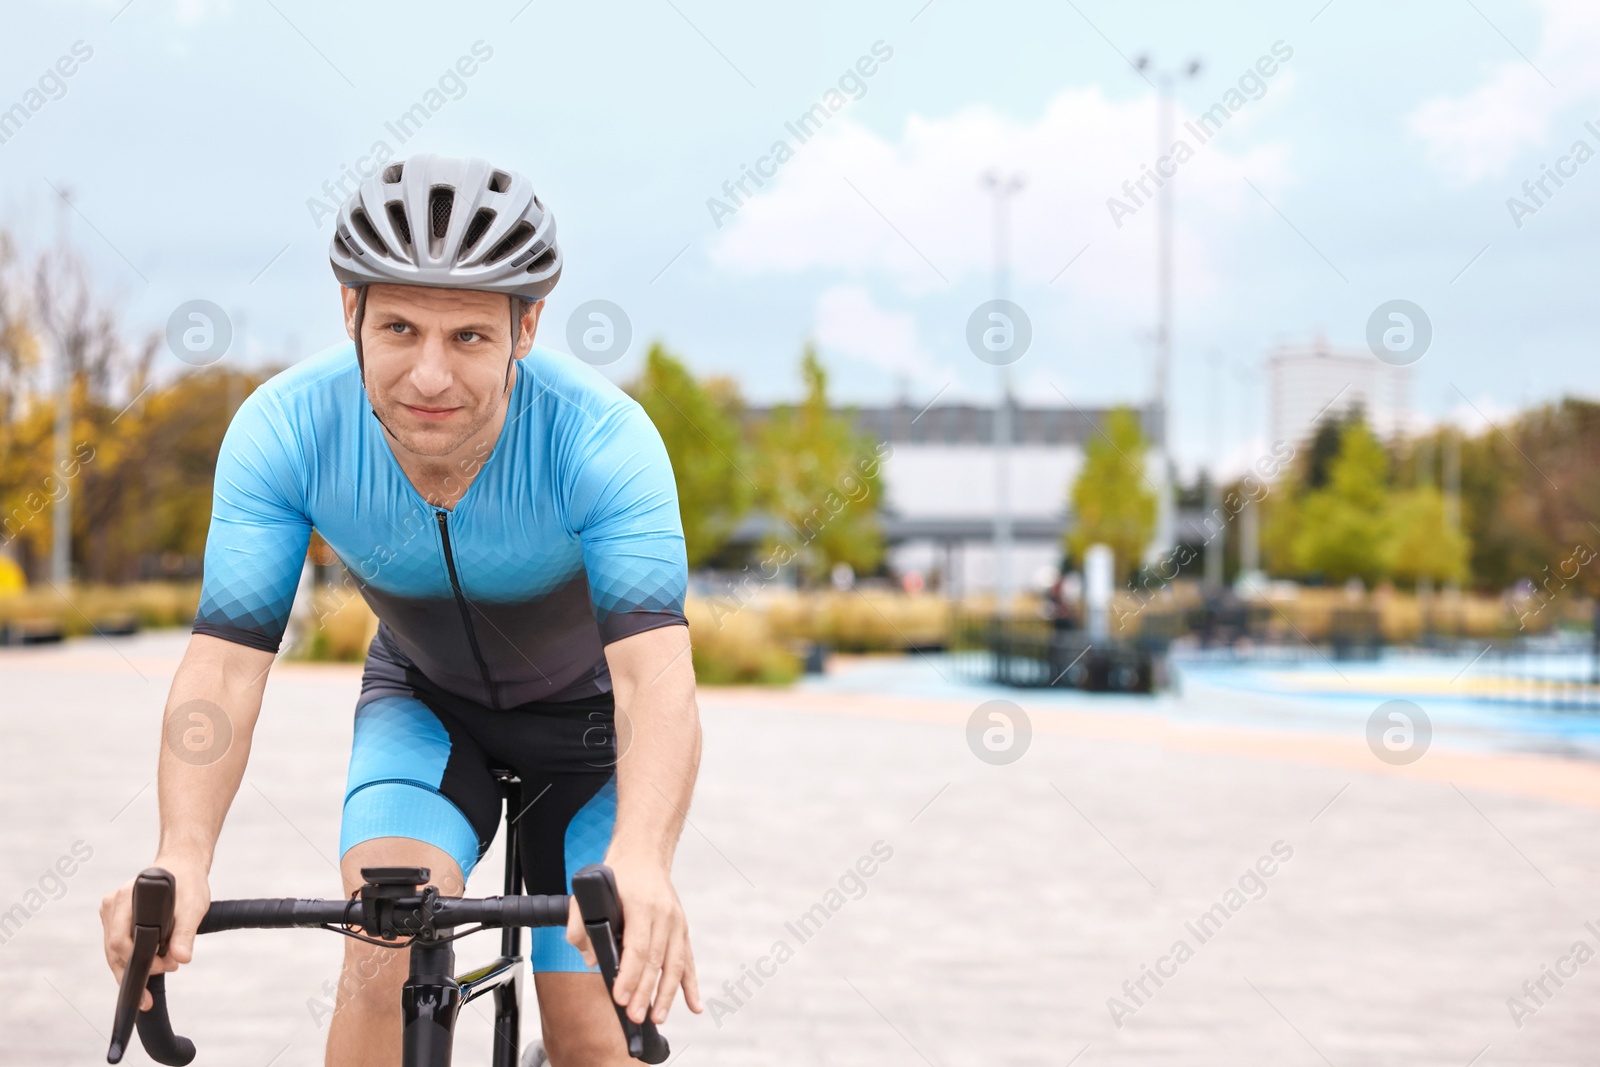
[210, 716]
[658, 745]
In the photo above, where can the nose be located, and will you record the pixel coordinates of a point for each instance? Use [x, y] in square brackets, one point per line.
[431, 374]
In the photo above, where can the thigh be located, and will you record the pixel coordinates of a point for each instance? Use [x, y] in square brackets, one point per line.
[566, 757]
[417, 775]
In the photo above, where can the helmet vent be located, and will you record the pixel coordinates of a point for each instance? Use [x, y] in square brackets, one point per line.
[480, 223]
[440, 201]
[364, 230]
[543, 262]
[391, 176]
[499, 182]
[508, 244]
[339, 245]
[397, 216]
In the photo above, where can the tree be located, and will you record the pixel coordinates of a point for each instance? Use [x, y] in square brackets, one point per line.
[1112, 503]
[1425, 545]
[1344, 526]
[821, 481]
[699, 424]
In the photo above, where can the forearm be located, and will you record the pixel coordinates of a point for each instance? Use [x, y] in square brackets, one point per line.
[658, 745]
[210, 717]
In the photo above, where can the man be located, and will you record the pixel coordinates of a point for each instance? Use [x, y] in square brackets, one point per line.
[512, 519]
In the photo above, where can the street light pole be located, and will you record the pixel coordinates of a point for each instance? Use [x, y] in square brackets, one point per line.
[1002, 189]
[61, 511]
[1166, 517]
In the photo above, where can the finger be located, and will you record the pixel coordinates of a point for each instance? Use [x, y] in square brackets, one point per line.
[635, 950]
[578, 937]
[650, 977]
[147, 1001]
[672, 971]
[181, 948]
[691, 980]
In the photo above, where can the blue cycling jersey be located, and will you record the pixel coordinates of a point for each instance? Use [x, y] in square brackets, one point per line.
[567, 539]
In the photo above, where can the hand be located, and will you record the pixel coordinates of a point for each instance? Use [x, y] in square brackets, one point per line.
[116, 917]
[656, 958]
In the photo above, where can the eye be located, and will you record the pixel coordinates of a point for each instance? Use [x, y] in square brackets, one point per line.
[469, 336]
[398, 327]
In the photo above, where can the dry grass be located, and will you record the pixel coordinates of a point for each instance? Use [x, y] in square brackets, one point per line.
[735, 646]
[1401, 614]
[864, 621]
[151, 604]
[340, 631]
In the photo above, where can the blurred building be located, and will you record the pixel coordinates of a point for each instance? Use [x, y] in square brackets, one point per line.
[940, 483]
[1306, 383]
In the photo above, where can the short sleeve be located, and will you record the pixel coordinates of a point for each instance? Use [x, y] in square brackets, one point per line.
[623, 507]
[256, 546]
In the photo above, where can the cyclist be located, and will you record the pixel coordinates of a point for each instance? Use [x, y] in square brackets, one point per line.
[511, 518]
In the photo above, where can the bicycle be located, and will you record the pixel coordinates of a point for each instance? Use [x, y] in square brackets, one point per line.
[394, 902]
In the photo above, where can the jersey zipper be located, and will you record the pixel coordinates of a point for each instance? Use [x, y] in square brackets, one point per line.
[466, 612]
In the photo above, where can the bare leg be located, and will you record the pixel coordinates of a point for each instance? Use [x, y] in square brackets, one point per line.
[580, 1025]
[365, 1031]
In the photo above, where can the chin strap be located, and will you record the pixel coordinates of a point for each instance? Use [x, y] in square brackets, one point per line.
[516, 335]
[361, 363]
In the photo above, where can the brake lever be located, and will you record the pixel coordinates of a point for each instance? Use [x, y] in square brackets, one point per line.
[595, 888]
[154, 899]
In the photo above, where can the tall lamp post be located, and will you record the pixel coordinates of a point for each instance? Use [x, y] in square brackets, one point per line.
[1002, 188]
[1165, 80]
[61, 511]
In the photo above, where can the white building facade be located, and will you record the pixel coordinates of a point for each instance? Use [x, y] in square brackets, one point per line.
[1309, 383]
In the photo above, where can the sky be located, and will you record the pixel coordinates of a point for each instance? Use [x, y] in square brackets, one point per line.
[202, 141]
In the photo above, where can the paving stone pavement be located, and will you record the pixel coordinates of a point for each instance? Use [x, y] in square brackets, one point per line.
[1400, 915]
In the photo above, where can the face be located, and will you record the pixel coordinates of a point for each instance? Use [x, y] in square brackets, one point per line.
[437, 361]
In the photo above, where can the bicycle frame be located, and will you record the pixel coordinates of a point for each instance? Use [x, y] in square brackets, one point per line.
[431, 999]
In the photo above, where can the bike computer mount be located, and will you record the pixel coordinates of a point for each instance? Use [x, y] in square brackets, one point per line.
[384, 887]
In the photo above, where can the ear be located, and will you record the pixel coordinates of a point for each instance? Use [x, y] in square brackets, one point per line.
[349, 297]
[528, 326]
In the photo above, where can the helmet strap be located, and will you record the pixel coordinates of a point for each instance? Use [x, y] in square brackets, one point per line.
[516, 335]
[361, 313]
[361, 363]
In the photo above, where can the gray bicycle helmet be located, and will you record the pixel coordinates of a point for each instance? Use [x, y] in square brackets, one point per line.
[447, 224]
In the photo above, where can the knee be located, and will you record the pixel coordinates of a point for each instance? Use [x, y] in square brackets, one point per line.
[371, 977]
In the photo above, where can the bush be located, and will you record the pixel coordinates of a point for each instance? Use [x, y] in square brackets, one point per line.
[153, 605]
[340, 631]
[734, 645]
[865, 621]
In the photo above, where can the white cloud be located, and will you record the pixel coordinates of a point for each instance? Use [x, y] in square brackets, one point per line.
[850, 323]
[913, 210]
[1477, 134]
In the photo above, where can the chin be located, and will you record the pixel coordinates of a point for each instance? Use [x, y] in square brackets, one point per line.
[432, 441]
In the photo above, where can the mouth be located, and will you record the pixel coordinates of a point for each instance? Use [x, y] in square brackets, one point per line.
[430, 414]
